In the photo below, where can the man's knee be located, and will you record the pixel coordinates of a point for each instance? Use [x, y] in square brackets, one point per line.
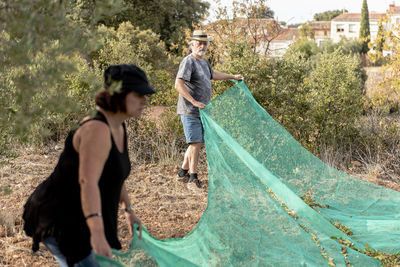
[196, 145]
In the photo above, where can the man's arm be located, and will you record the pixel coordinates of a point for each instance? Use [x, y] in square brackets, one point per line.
[181, 88]
[224, 76]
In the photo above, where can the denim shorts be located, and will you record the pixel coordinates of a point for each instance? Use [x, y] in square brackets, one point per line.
[193, 129]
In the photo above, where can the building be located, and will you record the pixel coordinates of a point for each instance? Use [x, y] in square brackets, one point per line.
[321, 30]
[281, 43]
[348, 25]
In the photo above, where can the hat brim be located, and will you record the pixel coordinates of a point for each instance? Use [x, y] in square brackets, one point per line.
[142, 88]
[208, 39]
[145, 89]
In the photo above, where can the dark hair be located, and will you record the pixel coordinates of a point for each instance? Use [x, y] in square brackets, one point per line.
[113, 103]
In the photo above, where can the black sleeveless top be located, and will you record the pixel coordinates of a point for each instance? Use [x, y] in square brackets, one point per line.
[54, 208]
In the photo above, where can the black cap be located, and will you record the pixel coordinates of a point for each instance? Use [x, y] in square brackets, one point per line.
[133, 79]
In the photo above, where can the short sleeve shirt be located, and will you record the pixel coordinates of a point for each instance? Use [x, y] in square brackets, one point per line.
[197, 75]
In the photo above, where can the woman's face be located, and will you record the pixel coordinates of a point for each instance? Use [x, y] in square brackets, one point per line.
[135, 104]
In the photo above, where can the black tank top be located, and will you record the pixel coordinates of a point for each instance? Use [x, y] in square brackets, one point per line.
[54, 208]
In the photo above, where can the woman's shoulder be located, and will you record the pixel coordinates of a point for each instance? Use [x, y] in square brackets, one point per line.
[94, 127]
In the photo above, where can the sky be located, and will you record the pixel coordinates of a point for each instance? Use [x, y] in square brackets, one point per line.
[300, 11]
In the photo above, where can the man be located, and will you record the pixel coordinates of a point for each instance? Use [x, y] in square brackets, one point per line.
[193, 82]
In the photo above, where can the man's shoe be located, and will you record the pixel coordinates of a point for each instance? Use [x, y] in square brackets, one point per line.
[193, 179]
[183, 173]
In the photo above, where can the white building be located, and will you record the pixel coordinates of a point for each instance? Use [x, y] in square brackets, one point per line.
[348, 25]
[394, 14]
[280, 44]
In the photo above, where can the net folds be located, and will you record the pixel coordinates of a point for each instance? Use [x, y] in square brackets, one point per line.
[259, 179]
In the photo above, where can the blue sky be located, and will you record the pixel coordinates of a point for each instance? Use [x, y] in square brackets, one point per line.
[299, 11]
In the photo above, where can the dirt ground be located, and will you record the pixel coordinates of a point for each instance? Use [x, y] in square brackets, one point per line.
[167, 206]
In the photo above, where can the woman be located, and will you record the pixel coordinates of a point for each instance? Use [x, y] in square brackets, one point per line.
[74, 211]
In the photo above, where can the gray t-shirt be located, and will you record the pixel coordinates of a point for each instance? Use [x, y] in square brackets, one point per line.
[197, 75]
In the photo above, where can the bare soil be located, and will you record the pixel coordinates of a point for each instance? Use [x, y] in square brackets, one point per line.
[167, 206]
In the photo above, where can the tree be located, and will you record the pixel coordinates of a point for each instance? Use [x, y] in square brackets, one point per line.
[376, 53]
[304, 48]
[365, 35]
[261, 11]
[244, 23]
[306, 31]
[328, 15]
[167, 18]
[39, 47]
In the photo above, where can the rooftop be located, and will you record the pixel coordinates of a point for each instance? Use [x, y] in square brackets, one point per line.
[319, 25]
[357, 16]
[288, 34]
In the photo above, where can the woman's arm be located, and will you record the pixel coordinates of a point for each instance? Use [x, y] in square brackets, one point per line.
[130, 215]
[93, 143]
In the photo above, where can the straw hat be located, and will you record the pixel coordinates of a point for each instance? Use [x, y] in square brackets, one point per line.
[200, 35]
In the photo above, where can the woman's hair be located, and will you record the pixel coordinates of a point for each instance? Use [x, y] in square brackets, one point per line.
[114, 103]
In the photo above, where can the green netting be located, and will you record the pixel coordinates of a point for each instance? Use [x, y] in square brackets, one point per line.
[255, 216]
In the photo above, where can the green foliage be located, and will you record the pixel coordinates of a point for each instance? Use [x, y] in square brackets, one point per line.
[167, 18]
[316, 98]
[166, 94]
[365, 35]
[345, 45]
[259, 10]
[328, 15]
[129, 44]
[335, 96]
[304, 47]
[306, 31]
[239, 59]
[376, 53]
[38, 48]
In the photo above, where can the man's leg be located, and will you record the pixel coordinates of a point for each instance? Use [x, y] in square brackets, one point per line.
[194, 153]
[195, 138]
[185, 164]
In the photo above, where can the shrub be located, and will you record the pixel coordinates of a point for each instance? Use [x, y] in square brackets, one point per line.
[157, 140]
[335, 96]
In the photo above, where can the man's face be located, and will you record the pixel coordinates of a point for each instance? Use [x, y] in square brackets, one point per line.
[200, 47]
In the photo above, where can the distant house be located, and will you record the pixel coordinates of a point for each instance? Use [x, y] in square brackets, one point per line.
[394, 14]
[269, 38]
[259, 32]
[321, 30]
[281, 43]
[348, 25]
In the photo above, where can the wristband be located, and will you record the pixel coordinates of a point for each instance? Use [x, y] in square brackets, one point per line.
[129, 208]
[98, 214]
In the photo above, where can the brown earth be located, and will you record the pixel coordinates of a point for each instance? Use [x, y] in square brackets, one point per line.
[168, 207]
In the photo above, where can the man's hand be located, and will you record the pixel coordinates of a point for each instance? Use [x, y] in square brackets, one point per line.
[198, 104]
[238, 77]
[131, 219]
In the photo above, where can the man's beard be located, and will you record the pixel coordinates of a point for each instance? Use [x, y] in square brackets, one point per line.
[201, 53]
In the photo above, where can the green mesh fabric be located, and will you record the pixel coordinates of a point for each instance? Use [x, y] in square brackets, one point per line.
[255, 215]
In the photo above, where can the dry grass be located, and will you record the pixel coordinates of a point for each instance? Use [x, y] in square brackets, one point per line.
[168, 207]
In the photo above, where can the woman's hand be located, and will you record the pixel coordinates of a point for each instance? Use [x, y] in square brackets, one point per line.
[100, 245]
[131, 219]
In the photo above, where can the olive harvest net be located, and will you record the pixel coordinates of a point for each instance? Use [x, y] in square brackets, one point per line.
[260, 179]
